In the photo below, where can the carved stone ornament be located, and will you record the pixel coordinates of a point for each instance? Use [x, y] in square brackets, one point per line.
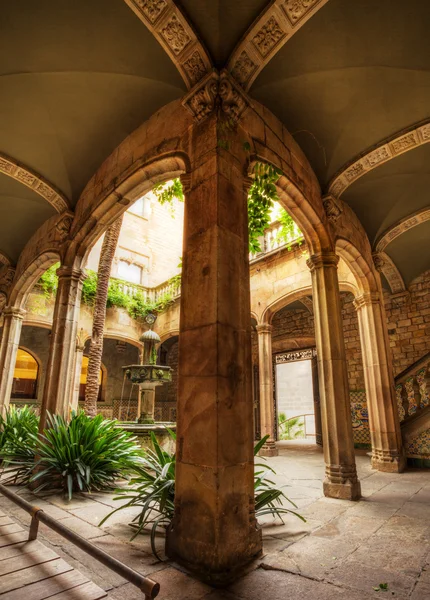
[332, 209]
[297, 9]
[63, 226]
[152, 9]
[233, 100]
[201, 100]
[195, 68]
[243, 68]
[286, 357]
[6, 276]
[379, 262]
[216, 90]
[268, 36]
[175, 35]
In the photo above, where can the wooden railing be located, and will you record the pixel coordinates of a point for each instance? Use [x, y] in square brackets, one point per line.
[413, 388]
[146, 585]
[274, 240]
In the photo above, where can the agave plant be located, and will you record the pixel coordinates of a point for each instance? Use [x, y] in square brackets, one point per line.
[83, 455]
[154, 491]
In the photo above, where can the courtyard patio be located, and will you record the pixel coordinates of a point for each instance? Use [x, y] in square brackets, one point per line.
[353, 550]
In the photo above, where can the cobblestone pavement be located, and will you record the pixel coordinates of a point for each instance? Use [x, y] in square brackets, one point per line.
[345, 549]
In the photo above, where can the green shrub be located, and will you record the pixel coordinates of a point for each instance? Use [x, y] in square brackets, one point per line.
[84, 455]
[154, 491]
[291, 429]
[48, 281]
[18, 438]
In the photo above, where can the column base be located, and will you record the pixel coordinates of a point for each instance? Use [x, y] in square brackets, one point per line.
[388, 461]
[341, 482]
[269, 449]
[343, 491]
[205, 562]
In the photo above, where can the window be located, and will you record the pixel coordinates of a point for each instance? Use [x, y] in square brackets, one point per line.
[130, 272]
[83, 381]
[140, 207]
[25, 376]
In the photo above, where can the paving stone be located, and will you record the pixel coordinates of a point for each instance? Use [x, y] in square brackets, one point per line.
[276, 585]
[421, 592]
[392, 554]
[351, 574]
[174, 584]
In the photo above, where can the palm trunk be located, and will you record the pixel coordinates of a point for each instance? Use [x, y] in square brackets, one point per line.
[96, 347]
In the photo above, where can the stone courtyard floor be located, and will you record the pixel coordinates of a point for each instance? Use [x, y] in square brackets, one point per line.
[344, 550]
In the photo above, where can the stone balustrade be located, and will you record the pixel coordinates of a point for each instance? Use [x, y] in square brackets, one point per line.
[273, 239]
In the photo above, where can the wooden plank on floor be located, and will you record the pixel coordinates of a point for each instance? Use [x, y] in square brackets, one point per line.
[13, 538]
[13, 581]
[20, 549]
[9, 528]
[17, 563]
[86, 591]
[48, 587]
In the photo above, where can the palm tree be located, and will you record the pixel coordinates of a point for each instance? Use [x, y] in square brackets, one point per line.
[96, 347]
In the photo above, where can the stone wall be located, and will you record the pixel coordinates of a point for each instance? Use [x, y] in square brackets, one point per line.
[36, 341]
[408, 319]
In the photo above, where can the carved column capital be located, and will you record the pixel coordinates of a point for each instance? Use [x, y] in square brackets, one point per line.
[264, 328]
[320, 261]
[65, 272]
[14, 312]
[366, 299]
[233, 99]
[200, 101]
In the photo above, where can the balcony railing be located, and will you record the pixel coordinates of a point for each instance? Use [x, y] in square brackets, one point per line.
[273, 239]
[167, 288]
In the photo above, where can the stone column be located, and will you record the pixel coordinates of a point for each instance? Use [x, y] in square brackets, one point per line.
[58, 391]
[387, 451]
[341, 475]
[12, 325]
[214, 530]
[267, 409]
[79, 354]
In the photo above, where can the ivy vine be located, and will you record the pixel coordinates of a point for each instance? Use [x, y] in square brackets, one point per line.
[165, 194]
[136, 305]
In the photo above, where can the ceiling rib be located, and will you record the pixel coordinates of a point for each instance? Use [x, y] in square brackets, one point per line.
[266, 36]
[400, 142]
[400, 227]
[172, 30]
[386, 265]
[34, 181]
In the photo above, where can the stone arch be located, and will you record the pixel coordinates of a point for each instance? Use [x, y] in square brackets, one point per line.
[363, 272]
[299, 207]
[168, 335]
[297, 294]
[135, 184]
[26, 280]
[38, 361]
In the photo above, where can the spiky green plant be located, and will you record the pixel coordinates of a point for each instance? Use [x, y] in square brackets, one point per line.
[85, 454]
[18, 438]
[154, 491]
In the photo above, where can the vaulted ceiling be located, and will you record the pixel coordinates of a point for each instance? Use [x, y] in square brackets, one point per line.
[78, 77]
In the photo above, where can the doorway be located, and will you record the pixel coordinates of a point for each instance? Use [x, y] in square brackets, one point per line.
[297, 397]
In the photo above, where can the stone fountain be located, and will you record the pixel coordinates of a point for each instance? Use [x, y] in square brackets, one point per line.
[148, 375]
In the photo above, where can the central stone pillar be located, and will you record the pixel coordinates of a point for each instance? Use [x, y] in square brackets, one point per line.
[12, 325]
[79, 355]
[387, 451]
[214, 530]
[58, 390]
[267, 408]
[341, 475]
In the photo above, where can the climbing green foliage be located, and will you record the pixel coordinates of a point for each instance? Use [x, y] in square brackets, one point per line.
[48, 281]
[289, 231]
[137, 305]
[166, 193]
[261, 198]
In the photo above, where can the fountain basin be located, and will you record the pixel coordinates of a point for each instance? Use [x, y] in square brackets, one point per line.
[154, 374]
[143, 434]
